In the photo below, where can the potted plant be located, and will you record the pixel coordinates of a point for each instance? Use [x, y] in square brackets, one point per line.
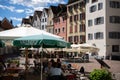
[100, 74]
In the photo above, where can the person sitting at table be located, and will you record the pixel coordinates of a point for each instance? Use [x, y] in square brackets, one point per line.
[82, 70]
[69, 66]
[55, 72]
[59, 62]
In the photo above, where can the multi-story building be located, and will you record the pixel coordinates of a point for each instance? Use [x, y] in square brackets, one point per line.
[76, 21]
[52, 11]
[36, 19]
[44, 19]
[103, 26]
[60, 21]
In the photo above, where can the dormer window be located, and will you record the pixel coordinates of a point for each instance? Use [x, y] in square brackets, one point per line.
[94, 1]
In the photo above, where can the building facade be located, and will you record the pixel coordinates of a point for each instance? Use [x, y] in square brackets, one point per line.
[60, 22]
[52, 11]
[103, 26]
[76, 21]
[36, 19]
[44, 18]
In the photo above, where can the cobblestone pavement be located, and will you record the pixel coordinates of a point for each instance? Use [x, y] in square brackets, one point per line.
[93, 64]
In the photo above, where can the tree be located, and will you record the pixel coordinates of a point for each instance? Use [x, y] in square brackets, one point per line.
[100, 74]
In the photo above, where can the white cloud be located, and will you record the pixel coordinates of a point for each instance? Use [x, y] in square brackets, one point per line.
[28, 11]
[16, 19]
[35, 4]
[19, 10]
[11, 8]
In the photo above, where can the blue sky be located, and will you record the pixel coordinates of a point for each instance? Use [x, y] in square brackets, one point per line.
[15, 10]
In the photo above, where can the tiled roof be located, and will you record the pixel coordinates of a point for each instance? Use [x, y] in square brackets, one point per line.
[72, 1]
[25, 21]
[38, 13]
[55, 9]
[5, 24]
[46, 9]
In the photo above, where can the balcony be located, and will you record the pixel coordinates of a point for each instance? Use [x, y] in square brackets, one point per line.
[82, 9]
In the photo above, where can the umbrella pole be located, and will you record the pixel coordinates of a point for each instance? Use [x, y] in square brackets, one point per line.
[26, 62]
[41, 63]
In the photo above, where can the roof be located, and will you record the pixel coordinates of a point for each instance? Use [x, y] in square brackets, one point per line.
[38, 13]
[72, 1]
[5, 24]
[25, 21]
[46, 9]
[62, 10]
[55, 9]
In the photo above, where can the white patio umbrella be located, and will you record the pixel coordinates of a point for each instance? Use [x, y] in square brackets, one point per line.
[85, 47]
[22, 31]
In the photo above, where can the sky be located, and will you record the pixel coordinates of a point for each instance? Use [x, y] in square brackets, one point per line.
[15, 10]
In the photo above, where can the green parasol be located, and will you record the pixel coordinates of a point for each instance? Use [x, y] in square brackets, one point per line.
[41, 40]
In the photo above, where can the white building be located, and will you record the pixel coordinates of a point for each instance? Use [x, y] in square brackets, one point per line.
[103, 26]
[36, 19]
[44, 18]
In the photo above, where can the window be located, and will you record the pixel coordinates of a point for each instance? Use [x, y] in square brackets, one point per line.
[90, 23]
[76, 28]
[81, 4]
[70, 18]
[63, 29]
[75, 17]
[100, 6]
[70, 39]
[70, 9]
[75, 6]
[82, 28]
[114, 4]
[115, 48]
[42, 27]
[114, 35]
[75, 39]
[87, 1]
[94, 1]
[45, 19]
[82, 16]
[90, 36]
[71, 29]
[99, 20]
[64, 18]
[114, 19]
[55, 30]
[82, 38]
[58, 30]
[98, 35]
[93, 8]
[42, 20]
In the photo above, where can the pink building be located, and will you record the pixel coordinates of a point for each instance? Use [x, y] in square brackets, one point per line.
[60, 21]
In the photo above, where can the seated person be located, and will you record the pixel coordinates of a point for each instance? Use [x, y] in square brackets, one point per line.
[69, 66]
[55, 72]
[82, 70]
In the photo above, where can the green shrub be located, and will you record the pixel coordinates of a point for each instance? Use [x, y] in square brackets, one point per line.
[100, 74]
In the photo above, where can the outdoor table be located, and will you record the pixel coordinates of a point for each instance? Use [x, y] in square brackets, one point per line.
[72, 70]
[69, 76]
[10, 76]
[14, 70]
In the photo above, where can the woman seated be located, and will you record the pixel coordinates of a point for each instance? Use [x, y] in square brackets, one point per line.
[56, 72]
